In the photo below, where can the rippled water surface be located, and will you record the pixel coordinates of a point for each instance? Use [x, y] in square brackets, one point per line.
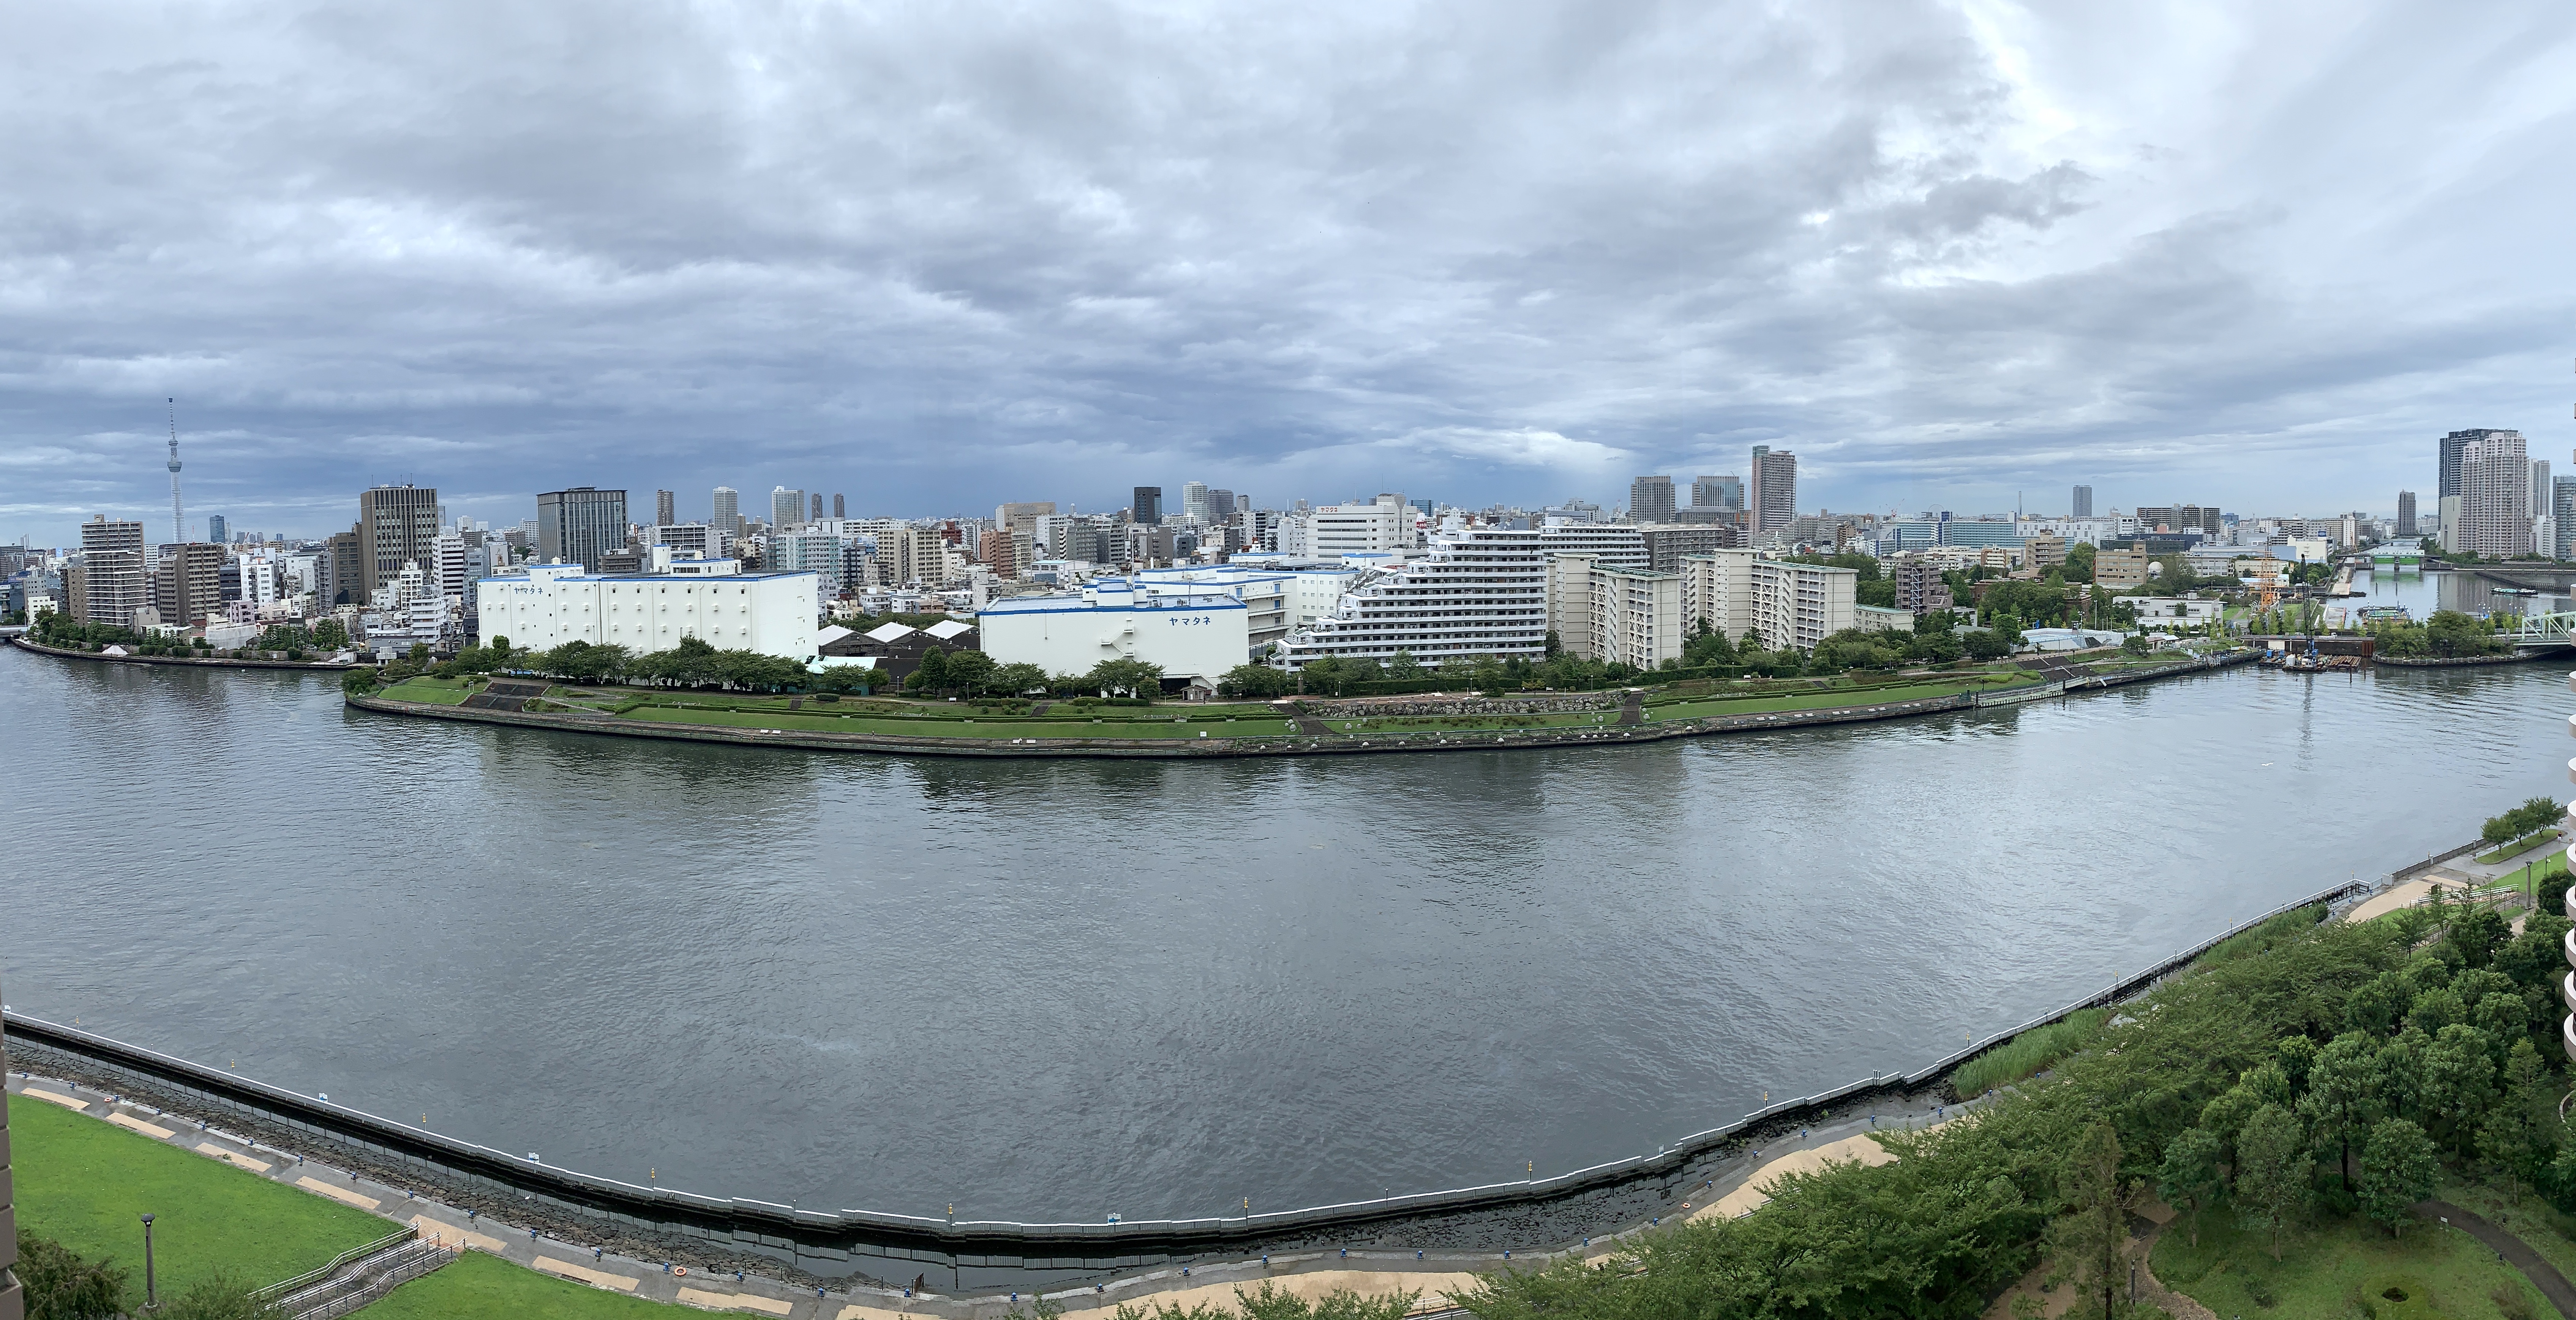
[1069, 989]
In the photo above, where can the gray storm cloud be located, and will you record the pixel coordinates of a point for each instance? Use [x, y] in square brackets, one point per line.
[937, 256]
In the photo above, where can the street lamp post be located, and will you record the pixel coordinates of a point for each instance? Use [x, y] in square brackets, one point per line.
[151, 1298]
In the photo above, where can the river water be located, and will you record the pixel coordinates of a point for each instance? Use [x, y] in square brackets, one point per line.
[1062, 990]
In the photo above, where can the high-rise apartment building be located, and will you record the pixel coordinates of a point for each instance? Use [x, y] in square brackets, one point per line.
[1477, 591]
[786, 508]
[188, 583]
[2562, 513]
[2544, 522]
[817, 515]
[396, 525]
[1194, 503]
[1615, 614]
[1650, 499]
[1148, 506]
[1772, 495]
[728, 510]
[2083, 504]
[116, 579]
[1786, 605]
[580, 525]
[2454, 451]
[1920, 586]
[1620, 545]
[2495, 496]
[2406, 513]
[666, 508]
[1725, 491]
[840, 507]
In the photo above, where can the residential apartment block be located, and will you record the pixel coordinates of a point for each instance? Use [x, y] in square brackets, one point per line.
[396, 525]
[1784, 604]
[114, 578]
[1477, 591]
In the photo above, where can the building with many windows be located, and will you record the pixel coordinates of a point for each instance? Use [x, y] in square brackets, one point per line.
[1786, 605]
[1477, 591]
[1622, 544]
[546, 605]
[1771, 497]
[114, 580]
[1615, 613]
[582, 525]
[2495, 497]
[2082, 507]
[396, 525]
[1724, 492]
[1650, 499]
[1382, 527]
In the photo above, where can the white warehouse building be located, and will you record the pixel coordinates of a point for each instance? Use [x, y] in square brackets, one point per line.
[547, 605]
[1191, 629]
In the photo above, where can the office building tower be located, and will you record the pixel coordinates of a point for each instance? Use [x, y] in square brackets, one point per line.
[1023, 517]
[217, 529]
[115, 573]
[1725, 492]
[840, 507]
[1222, 505]
[666, 508]
[582, 525]
[1148, 508]
[2495, 496]
[818, 507]
[2406, 513]
[728, 510]
[1650, 499]
[1194, 503]
[396, 525]
[2083, 505]
[1771, 496]
[2204, 519]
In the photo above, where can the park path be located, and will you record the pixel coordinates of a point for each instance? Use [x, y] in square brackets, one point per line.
[2543, 1275]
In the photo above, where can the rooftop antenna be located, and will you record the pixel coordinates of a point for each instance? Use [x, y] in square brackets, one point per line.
[178, 518]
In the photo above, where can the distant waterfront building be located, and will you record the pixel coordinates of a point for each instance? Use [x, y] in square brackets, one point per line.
[396, 526]
[1192, 628]
[114, 579]
[1725, 492]
[581, 525]
[1147, 506]
[2495, 495]
[2544, 520]
[1477, 591]
[728, 510]
[2454, 454]
[546, 605]
[187, 584]
[1650, 499]
[2562, 512]
[2082, 507]
[2406, 513]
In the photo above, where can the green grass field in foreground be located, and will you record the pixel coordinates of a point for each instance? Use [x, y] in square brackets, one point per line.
[87, 1184]
[481, 1287]
[426, 691]
[2344, 1267]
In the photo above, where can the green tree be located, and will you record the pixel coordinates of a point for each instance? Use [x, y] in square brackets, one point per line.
[1327, 677]
[2378, 1004]
[2190, 1178]
[930, 677]
[2398, 1169]
[2342, 1099]
[970, 672]
[2086, 1242]
[223, 1296]
[1985, 644]
[2459, 1081]
[2511, 1138]
[1025, 677]
[61, 1286]
[358, 682]
[1126, 677]
[1403, 667]
[2272, 1171]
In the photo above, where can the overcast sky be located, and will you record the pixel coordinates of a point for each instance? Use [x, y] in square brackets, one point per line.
[937, 256]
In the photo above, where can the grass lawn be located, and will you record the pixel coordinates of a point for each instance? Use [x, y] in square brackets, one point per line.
[2523, 1214]
[1827, 697]
[481, 1287]
[86, 1185]
[983, 727]
[428, 691]
[2337, 1267]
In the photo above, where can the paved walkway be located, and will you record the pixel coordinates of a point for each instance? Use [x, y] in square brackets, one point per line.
[2543, 1275]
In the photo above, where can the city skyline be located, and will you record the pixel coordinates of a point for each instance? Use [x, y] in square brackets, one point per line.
[1942, 256]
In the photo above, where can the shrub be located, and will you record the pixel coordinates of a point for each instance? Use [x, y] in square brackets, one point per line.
[2029, 1053]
